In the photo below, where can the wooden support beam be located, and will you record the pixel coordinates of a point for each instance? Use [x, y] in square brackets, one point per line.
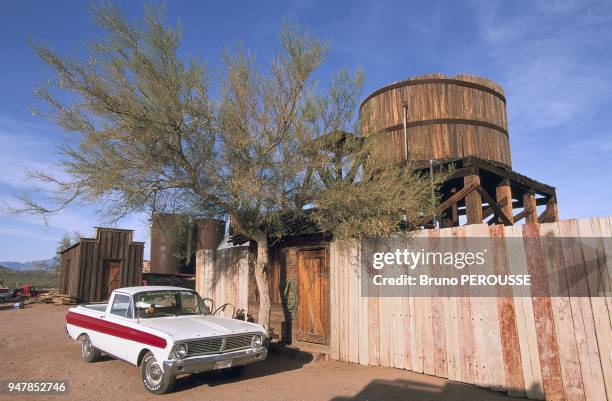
[495, 206]
[503, 192]
[544, 217]
[466, 190]
[487, 212]
[454, 211]
[539, 202]
[530, 207]
[551, 213]
[491, 221]
[554, 211]
[490, 210]
[519, 216]
[517, 179]
[473, 200]
[462, 172]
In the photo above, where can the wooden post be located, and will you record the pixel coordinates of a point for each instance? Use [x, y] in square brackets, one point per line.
[446, 221]
[551, 209]
[529, 204]
[503, 191]
[454, 211]
[550, 214]
[450, 216]
[473, 201]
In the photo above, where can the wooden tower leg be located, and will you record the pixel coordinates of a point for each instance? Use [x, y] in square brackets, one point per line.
[454, 211]
[552, 210]
[551, 213]
[473, 201]
[529, 204]
[503, 191]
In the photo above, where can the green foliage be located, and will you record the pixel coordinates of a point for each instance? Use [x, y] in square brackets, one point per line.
[370, 208]
[150, 138]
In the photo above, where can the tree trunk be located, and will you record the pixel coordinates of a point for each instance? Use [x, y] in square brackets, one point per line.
[261, 277]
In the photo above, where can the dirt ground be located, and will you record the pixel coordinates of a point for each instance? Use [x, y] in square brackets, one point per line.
[33, 345]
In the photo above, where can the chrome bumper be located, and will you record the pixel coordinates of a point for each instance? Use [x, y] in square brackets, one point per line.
[206, 363]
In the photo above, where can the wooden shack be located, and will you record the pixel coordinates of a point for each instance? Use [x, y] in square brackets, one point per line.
[92, 268]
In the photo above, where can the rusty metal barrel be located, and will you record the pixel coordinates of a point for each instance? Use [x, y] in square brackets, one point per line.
[209, 233]
[444, 118]
[167, 237]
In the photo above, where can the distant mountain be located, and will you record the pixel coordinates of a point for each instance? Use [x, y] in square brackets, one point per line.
[47, 264]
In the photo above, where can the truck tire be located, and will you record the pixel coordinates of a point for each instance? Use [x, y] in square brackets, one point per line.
[153, 377]
[88, 351]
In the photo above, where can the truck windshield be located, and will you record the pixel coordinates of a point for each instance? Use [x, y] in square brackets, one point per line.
[151, 304]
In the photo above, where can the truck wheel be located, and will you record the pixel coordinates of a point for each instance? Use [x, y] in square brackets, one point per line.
[153, 377]
[89, 352]
[234, 372]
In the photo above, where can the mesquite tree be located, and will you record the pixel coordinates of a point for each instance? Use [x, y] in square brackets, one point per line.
[268, 148]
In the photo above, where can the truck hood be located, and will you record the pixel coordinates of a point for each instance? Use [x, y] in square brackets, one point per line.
[192, 326]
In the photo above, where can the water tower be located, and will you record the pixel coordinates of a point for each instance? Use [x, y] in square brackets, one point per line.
[434, 121]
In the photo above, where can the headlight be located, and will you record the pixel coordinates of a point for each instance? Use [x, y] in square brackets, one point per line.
[180, 350]
[256, 341]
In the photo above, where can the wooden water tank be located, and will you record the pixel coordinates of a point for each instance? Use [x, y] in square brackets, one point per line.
[447, 117]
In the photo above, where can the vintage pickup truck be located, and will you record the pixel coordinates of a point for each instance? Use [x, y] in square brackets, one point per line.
[166, 331]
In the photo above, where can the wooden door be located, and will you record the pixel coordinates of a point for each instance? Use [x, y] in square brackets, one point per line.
[110, 277]
[313, 297]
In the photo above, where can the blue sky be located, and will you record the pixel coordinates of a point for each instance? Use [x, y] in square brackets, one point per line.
[553, 58]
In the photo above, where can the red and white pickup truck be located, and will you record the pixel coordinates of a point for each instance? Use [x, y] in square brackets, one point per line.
[166, 331]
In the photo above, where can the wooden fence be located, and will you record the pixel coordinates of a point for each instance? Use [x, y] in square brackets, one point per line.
[519, 340]
[542, 347]
[223, 275]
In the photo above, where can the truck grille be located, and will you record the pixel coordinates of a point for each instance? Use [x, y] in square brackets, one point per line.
[237, 342]
[218, 344]
[205, 346]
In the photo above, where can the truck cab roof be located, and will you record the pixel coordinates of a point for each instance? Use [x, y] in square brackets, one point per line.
[136, 290]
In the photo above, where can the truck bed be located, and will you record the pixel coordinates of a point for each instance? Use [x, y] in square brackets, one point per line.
[96, 307]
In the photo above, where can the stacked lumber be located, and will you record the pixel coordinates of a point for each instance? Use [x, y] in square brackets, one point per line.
[54, 297]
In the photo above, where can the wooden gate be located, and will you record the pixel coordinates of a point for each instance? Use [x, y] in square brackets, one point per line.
[313, 297]
[110, 277]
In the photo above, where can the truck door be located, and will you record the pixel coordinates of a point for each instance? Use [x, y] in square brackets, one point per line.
[118, 315]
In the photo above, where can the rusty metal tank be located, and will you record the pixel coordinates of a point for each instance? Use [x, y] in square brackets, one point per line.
[167, 243]
[209, 233]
